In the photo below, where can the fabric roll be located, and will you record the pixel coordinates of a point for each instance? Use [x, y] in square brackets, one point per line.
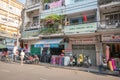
[113, 64]
[110, 65]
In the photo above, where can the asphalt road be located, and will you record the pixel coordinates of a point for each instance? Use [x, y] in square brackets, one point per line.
[36, 72]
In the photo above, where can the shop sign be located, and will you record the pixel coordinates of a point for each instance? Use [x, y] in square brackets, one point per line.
[82, 28]
[111, 38]
[47, 45]
[83, 41]
[10, 41]
[30, 33]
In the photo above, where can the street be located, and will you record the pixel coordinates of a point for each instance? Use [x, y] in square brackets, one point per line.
[36, 72]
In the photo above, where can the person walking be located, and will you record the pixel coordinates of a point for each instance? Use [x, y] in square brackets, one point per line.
[15, 53]
[22, 54]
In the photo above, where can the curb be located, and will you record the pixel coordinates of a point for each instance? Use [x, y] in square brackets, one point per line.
[81, 69]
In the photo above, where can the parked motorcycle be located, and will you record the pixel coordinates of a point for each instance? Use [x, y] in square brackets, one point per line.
[87, 61]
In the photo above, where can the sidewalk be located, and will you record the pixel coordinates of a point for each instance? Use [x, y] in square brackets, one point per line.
[90, 69]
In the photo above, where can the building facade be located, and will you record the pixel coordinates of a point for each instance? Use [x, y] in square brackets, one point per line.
[10, 21]
[31, 25]
[75, 26]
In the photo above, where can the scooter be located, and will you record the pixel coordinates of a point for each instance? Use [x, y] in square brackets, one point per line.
[87, 62]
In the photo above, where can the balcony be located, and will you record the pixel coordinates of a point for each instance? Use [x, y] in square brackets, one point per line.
[31, 25]
[103, 2]
[72, 8]
[108, 25]
[51, 32]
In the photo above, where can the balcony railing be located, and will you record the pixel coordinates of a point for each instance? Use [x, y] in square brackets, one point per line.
[32, 25]
[81, 28]
[31, 33]
[111, 24]
[102, 2]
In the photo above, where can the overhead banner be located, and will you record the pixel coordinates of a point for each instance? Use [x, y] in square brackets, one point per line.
[81, 28]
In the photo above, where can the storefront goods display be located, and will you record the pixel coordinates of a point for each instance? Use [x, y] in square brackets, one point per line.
[66, 60]
[110, 65]
[113, 64]
[53, 60]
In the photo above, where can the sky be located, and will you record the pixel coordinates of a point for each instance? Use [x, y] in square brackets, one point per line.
[22, 1]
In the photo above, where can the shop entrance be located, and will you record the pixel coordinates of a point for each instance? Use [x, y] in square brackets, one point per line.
[114, 49]
[86, 50]
[57, 51]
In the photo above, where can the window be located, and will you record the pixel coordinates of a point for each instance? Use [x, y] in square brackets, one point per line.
[91, 18]
[35, 20]
[112, 19]
[78, 20]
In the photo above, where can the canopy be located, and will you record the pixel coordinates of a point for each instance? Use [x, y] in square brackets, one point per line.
[48, 43]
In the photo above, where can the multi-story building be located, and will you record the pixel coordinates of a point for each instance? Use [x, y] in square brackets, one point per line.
[109, 27]
[31, 25]
[75, 26]
[10, 20]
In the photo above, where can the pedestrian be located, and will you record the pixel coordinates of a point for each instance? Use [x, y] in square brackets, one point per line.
[15, 53]
[22, 54]
[36, 59]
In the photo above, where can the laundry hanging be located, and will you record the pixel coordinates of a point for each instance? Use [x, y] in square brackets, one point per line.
[85, 18]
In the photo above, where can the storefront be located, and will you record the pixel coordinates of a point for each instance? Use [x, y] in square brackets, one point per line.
[50, 46]
[82, 40]
[85, 46]
[111, 45]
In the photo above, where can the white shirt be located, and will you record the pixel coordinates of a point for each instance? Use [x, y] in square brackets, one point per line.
[15, 50]
[22, 53]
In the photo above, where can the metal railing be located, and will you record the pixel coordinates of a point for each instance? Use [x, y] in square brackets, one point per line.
[31, 25]
[102, 2]
[109, 24]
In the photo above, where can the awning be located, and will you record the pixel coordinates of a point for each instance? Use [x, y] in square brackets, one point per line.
[48, 42]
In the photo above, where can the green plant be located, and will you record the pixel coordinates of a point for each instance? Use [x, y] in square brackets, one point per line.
[46, 1]
[53, 20]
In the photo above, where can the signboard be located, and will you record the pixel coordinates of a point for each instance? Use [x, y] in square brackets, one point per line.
[91, 40]
[111, 38]
[82, 28]
[47, 45]
[28, 33]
